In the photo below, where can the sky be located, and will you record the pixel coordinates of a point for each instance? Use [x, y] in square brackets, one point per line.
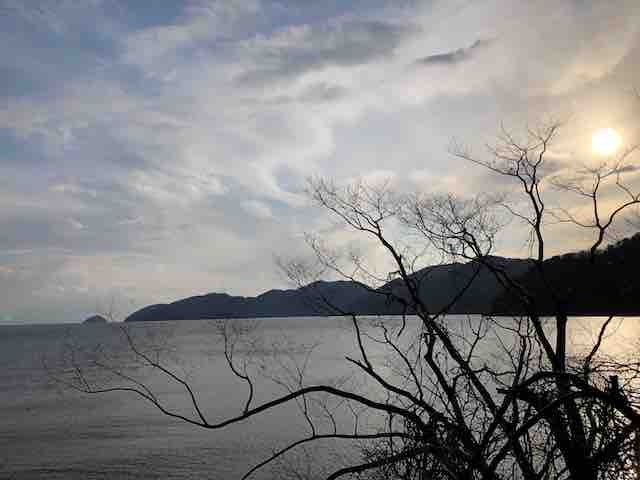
[155, 150]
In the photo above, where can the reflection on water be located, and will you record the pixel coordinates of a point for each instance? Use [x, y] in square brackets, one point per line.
[49, 432]
[622, 337]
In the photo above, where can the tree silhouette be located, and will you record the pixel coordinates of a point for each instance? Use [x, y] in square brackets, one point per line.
[489, 397]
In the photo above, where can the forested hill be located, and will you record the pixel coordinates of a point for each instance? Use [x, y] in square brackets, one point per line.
[608, 285]
[305, 301]
[439, 285]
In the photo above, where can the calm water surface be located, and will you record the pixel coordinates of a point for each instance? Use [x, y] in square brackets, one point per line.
[51, 432]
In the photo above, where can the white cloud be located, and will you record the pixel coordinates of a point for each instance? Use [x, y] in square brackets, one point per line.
[202, 21]
[75, 224]
[131, 221]
[428, 182]
[55, 15]
[380, 178]
[73, 189]
[257, 209]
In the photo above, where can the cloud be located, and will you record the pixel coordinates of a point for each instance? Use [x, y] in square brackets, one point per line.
[375, 179]
[201, 22]
[257, 209]
[75, 224]
[456, 56]
[58, 16]
[297, 50]
[196, 124]
[316, 93]
[175, 188]
[73, 189]
[131, 221]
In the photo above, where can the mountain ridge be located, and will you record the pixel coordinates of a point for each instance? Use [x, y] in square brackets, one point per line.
[309, 300]
[605, 284]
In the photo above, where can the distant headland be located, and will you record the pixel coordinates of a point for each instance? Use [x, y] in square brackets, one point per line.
[96, 319]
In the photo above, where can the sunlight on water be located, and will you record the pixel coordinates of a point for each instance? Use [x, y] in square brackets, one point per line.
[622, 337]
[52, 433]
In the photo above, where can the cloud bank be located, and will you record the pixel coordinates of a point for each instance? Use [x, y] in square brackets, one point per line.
[154, 153]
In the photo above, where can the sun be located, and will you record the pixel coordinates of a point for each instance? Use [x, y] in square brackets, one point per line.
[605, 141]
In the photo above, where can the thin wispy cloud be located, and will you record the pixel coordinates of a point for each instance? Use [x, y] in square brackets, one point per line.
[455, 56]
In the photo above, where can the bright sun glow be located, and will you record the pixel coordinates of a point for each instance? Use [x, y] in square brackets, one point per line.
[605, 141]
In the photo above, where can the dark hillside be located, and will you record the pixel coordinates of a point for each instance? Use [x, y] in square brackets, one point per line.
[608, 285]
[441, 283]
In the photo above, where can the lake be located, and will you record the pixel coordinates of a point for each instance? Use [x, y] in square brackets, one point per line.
[49, 431]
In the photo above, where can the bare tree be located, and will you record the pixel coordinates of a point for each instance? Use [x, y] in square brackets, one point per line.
[488, 397]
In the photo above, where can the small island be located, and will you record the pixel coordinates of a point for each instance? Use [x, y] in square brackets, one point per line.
[96, 319]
